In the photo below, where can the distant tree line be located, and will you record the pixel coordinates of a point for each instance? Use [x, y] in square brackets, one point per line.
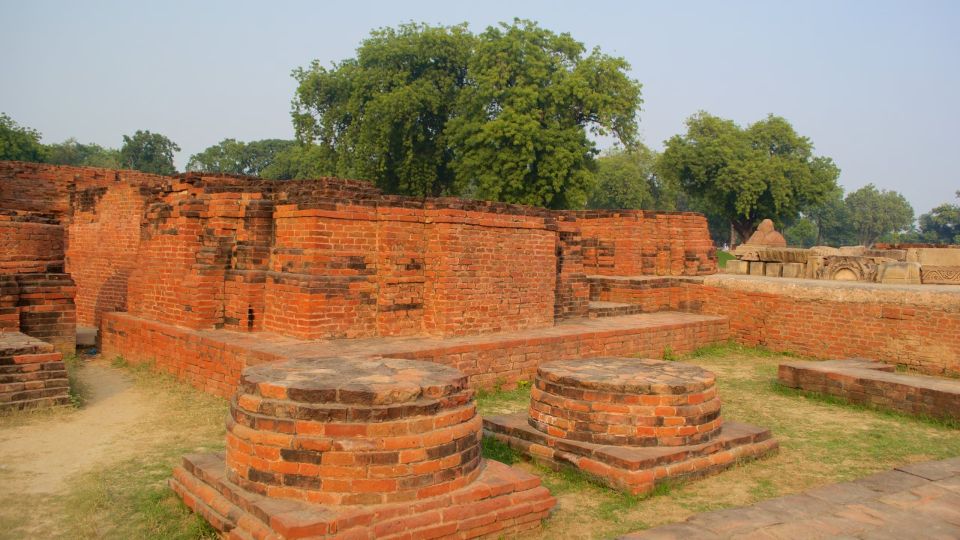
[513, 114]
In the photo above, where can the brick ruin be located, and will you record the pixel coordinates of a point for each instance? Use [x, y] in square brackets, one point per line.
[357, 449]
[218, 280]
[630, 423]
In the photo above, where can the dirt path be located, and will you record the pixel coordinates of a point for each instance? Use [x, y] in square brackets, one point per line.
[39, 456]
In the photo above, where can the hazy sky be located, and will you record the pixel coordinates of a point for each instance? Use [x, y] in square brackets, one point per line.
[875, 85]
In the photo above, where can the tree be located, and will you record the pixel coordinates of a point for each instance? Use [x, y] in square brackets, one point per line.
[502, 115]
[383, 115]
[942, 224]
[803, 233]
[18, 142]
[532, 98]
[148, 152]
[624, 179]
[230, 156]
[745, 175]
[873, 213]
[71, 152]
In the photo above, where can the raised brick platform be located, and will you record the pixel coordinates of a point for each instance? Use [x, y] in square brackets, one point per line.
[213, 359]
[874, 383]
[342, 448]
[629, 422]
[32, 373]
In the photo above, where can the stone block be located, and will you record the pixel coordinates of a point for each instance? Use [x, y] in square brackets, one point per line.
[737, 266]
[773, 269]
[852, 251]
[939, 256]
[793, 270]
[942, 275]
[904, 273]
[756, 268]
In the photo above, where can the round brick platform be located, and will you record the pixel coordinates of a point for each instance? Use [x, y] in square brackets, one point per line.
[626, 402]
[341, 431]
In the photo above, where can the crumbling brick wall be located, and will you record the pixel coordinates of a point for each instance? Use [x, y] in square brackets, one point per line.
[638, 242]
[325, 258]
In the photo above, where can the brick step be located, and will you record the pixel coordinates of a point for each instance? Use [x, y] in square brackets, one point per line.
[599, 308]
[11, 398]
[36, 403]
[37, 375]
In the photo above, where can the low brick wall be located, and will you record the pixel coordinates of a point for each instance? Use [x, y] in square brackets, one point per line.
[912, 325]
[212, 360]
[875, 384]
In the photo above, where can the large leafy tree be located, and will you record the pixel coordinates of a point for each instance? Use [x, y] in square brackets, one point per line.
[71, 152]
[626, 178]
[148, 152]
[237, 157]
[942, 224]
[766, 170]
[383, 115]
[522, 132]
[428, 110]
[873, 213]
[19, 142]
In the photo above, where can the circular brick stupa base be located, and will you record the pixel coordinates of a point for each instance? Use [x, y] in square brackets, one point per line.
[630, 422]
[626, 402]
[376, 448]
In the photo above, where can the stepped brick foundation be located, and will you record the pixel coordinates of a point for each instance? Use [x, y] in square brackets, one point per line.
[32, 373]
[875, 384]
[629, 422]
[344, 448]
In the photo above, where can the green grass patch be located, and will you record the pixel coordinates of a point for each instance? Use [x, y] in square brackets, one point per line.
[723, 257]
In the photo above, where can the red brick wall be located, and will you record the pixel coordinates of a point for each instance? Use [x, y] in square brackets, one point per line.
[916, 328]
[923, 336]
[29, 243]
[637, 242]
[488, 272]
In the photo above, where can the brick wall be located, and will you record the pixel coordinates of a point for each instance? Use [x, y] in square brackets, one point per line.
[637, 242]
[916, 326]
[30, 243]
[327, 258]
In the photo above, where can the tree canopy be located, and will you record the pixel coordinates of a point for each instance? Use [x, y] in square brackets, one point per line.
[942, 224]
[231, 156]
[626, 178]
[19, 142]
[502, 115]
[873, 213]
[746, 175]
[71, 152]
[148, 152]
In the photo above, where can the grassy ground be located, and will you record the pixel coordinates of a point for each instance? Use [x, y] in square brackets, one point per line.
[821, 442]
[723, 257]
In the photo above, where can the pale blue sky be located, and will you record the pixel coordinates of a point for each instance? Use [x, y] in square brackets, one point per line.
[876, 85]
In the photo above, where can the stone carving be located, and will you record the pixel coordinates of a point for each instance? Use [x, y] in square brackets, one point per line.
[767, 235]
[841, 268]
[943, 275]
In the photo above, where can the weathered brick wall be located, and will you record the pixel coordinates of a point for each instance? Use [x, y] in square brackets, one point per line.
[917, 326]
[30, 242]
[488, 272]
[637, 242]
[329, 258]
[908, 326]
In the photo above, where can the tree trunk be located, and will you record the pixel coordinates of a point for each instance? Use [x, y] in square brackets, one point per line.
[743, 228]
